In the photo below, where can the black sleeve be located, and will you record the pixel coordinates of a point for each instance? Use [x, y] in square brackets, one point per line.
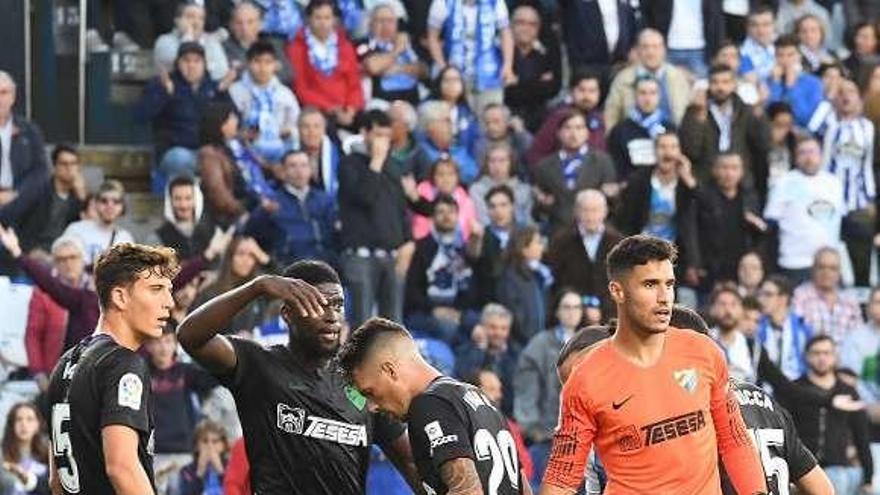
[386, 430]
[437, 431]
[124, 390]
[248, 356]
[798, 457]
[858, 424]
[199, 380]
[787, 391]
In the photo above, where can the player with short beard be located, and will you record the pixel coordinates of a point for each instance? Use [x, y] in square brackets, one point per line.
[662, 429]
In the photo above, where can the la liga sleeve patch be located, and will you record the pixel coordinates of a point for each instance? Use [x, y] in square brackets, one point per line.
[129, 391]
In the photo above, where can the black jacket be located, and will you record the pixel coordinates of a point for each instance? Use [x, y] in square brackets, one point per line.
[372, 206]
[658, 15]
[635, 208]
[30, 170]
[571, 266]
[186, 246]
[583, 32]
[596, 170]
[828, 432]
[723, 233]
[749, 137]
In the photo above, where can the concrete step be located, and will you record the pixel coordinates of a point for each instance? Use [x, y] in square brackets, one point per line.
[130, 165]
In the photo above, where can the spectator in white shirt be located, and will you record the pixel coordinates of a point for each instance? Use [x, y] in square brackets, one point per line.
[807, 205]
[102, 232]
[189, 25]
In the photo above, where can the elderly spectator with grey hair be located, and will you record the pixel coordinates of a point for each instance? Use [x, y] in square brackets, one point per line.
[23, 164]
[435, 121]
[499, 126]
[405, 149]
[47, 319]
[577, 254]
[245, 27]
[490, 349]
[388, 58]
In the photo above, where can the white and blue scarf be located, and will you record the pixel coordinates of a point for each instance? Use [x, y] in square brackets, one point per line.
[763, 58]
[281, 17]
[261, 116]
[326, 63]
[249, 167]
[653, 122]
[571, 163]
[485, 68]
[449, 273]
[399, 81]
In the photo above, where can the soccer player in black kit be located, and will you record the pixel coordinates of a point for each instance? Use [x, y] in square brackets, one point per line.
[306, 430]
[101, 426]
[784, 457]
[460, 441]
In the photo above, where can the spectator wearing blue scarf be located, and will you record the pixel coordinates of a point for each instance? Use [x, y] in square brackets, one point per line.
[437, 139]
[268, 108]
[631, 143]
[790, 83]
[476, 39]
[388, 58]
[328, 73]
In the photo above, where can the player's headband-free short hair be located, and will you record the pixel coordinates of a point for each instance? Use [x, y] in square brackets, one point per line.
[123, 264]
[363, 340]
[312, 272]
[638, 250]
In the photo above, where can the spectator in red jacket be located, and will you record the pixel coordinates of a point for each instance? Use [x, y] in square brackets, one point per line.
[326, 70]
[237, 479]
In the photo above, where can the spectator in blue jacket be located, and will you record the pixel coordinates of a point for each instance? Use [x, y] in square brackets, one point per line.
[23, 164]
[490, 348]
[174, 105]
[790, 83]
[781, 332]
[303, 224]
[435, 120]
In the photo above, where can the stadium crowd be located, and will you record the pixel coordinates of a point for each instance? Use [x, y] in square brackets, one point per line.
[466, 165]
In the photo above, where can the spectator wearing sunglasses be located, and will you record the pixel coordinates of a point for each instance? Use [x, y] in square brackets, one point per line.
[104, 231]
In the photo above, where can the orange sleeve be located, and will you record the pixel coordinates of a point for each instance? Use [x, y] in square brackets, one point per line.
[740, 458]
[572, 440]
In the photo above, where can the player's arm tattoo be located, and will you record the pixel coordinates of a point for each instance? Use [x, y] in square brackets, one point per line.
[460, 475]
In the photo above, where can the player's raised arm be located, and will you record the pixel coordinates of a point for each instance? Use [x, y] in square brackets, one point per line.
[461, 477]
[734, 446]
[199, 332]
[120, 446]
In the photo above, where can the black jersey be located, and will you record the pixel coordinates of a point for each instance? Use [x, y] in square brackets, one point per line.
[306, 431]
[451, 420]
[95, 384]
[784, 457]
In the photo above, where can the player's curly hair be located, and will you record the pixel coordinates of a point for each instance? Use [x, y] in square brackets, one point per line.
[123, 264]
[638, 250]
[363, 340]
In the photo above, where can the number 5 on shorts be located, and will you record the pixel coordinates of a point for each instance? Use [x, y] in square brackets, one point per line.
[61, 446]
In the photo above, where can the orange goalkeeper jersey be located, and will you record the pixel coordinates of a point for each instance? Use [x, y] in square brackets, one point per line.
[658, 429]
